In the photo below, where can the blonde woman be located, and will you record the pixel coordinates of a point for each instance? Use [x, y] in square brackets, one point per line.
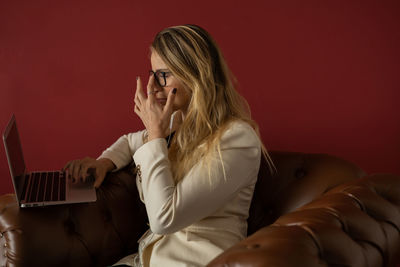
[198, 158]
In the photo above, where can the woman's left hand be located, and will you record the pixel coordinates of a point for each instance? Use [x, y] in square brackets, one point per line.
[154, 116]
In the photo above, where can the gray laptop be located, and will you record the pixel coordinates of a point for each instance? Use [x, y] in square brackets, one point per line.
[41, 188]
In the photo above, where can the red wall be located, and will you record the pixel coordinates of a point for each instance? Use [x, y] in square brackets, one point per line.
[320, 76]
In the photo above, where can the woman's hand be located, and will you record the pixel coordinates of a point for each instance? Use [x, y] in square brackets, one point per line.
[79, 170]
[154, 116]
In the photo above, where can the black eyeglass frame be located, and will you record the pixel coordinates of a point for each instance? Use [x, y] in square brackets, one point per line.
[157, 78]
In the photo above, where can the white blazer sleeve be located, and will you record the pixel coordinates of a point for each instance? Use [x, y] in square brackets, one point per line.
[121, 152]
[173, 207]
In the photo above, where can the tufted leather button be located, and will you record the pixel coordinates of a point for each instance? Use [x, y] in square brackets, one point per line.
[253, 246]
[300, 173]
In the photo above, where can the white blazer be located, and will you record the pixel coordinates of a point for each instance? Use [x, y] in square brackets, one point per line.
[192, 222]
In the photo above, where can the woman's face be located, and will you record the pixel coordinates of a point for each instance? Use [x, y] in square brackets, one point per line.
[182, 97]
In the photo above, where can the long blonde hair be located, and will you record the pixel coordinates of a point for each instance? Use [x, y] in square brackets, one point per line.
[195, 59]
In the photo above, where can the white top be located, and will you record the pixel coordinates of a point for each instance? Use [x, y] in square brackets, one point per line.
[192, 222]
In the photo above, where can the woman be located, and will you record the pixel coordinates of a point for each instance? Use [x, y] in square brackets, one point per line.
[196, 172]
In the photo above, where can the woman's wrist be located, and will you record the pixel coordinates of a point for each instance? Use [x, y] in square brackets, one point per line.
[154, 135]
[108, 164]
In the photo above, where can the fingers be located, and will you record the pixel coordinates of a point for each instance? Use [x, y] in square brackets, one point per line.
[150, 89]
[69, 169]
[137, 111]
[99, 178]
[74, 170]
[137, 81]
[83, 172]
[66, 166]
[138, 89]
[170, 101]
[78, 169]
[139, 95]
[138, 104]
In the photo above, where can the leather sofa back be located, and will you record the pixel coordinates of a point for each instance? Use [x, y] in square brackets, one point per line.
[318, 214]
[299, 178]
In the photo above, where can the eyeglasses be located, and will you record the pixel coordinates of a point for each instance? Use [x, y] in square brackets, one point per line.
[161, 77]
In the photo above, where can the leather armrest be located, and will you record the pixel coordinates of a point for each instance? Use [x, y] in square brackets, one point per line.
[353, 224]
[87, 234]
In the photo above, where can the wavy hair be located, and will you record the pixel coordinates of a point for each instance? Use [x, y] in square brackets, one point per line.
[195, 59]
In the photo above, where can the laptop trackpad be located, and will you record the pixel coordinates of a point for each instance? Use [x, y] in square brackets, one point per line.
[81, 192]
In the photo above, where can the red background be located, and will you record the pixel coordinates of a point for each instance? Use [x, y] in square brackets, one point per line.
[320, 76]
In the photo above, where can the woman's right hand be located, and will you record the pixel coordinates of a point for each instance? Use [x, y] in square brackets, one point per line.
[79, 170]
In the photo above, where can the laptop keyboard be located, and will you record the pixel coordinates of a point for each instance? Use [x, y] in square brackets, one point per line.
[44, 186]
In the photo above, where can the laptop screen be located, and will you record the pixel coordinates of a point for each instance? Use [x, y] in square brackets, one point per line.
[13, 148]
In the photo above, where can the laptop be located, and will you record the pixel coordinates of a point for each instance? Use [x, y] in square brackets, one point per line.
[41, 188]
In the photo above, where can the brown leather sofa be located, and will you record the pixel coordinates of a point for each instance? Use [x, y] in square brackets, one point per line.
[317, 210]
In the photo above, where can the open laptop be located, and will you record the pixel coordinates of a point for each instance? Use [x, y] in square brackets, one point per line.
[40, 188]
